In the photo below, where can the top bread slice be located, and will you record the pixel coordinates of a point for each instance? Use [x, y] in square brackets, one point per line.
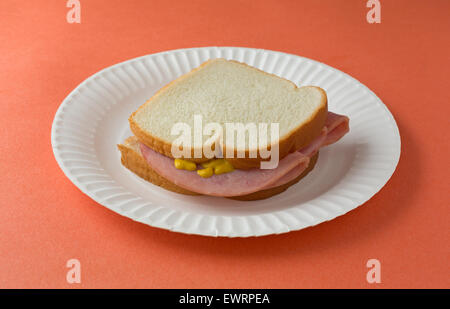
[225, 91]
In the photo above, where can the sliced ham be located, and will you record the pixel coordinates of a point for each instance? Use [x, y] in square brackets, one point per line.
[291, 175]
[242, 182]
[309, 152]
[238, 182]
[337, 126]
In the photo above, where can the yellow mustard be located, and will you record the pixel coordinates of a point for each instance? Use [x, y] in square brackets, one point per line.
[206, 172]
[223, 168]
[185, 165]
[216, 166]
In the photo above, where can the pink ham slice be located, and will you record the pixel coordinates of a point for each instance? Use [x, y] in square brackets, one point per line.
[309, 152]
[242, 182]
[239, 182]
[337, 126]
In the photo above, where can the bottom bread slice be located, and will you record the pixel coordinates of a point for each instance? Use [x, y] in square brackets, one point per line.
[135, 162]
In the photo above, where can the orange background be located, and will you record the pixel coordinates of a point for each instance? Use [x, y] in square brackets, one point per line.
[45, 220]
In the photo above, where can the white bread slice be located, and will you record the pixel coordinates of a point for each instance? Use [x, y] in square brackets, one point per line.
[224, 91]
[133, 160]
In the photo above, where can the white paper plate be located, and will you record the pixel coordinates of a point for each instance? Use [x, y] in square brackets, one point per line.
[94, 118]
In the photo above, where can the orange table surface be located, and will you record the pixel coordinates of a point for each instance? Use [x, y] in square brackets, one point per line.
[45, 220]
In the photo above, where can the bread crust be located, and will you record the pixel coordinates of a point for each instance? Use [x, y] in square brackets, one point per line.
[133, 160]
[293, 141]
